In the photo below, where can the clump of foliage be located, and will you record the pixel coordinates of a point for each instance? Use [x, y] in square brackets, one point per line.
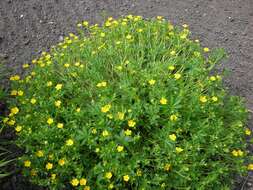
[5, 154]
[130, 104]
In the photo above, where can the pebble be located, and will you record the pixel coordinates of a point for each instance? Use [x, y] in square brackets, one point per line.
[61, 38]
[249, 184]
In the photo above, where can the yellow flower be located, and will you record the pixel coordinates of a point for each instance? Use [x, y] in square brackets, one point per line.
[77, 64]
[83, 181]
[128, 37]
[197, 41]
[74, 182]
[50, 121]
[235, 153]
[185, 25]
[39, 153]
[167, 167]
[212, 78]
[120, 148]
[69, 142]
[25, 66]
[118, 42]
[131, 123]
[120, 115]
[14, 110]
[151, 82]
[110, 116]
[139, 172]
[49, 166]
[140, 30]
[34, 61]
[206, 49]
[163, 101]
[250, 167]
[106, 108]
[85, 23]
[15, 77]
[14, 93]
[61, 162]
[27, 163]
[102, 84]
[178, 149]
[128, 132]
[49, 83]
[33, 101]
[240, 153]
[53, 176]
[173, 117]
[214, 99]
[11, 122]
[110, 18]
[18, 128]
[248, 132]
[105, 133]
[20, 93]
[119, 68]
[66, 65]
[173, 52]
[159, 17]
[177, 76]
[203, 99]
[60, 125]
[126, 178]
[171, 68]
[183, 36]
[94, 131]
[78, 110]
[58, 87]
[173, 137]
[218, 77]
[57, 103]
[111, 186]
[79, 25]
[108, 175]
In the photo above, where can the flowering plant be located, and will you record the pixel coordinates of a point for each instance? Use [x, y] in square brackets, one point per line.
[130, 104]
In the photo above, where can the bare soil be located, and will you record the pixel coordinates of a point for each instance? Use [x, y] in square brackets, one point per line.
[28, 27]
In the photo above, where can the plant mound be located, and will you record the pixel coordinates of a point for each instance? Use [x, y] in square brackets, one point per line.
[130, 104]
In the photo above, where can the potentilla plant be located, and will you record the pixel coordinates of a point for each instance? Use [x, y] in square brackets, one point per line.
[128, 105]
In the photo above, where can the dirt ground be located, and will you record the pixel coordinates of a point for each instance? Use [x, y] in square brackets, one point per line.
[28, 27]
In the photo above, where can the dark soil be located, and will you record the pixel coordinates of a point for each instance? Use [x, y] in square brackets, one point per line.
[28, 27]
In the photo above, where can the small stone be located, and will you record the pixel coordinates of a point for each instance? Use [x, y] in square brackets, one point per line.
[231, 19]
[61, 38]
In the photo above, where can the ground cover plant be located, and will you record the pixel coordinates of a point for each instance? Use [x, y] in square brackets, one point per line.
[130, 104]
[5, 153]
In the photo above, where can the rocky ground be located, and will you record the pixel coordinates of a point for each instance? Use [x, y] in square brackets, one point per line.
[28, 27]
